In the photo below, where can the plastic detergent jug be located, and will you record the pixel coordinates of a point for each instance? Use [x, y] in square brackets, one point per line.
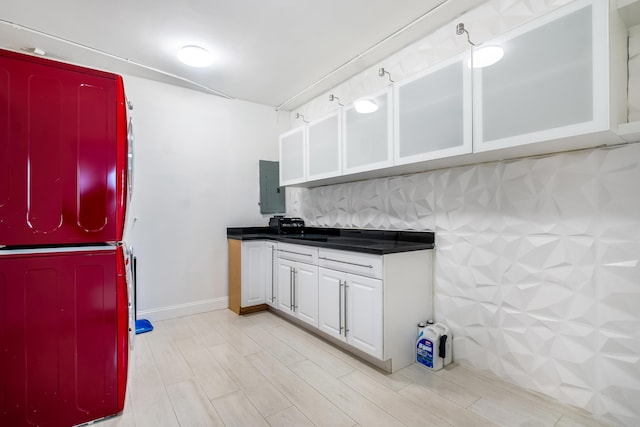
[433, 347]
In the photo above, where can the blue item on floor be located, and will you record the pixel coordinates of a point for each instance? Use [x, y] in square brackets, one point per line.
[142, 326]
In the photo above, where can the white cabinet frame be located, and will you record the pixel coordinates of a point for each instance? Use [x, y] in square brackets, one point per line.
[464, 120]
[324, 138]
[351, 136]
[601, 117]
[292, 155]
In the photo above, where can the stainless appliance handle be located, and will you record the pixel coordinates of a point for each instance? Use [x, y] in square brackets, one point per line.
[292, 252]
[345, 262]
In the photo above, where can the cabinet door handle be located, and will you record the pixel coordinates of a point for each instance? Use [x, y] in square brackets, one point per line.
[346, 330]
[291, 288]
[295, 282]
[292, 252]
[346, 262]
[273, 273]
[340, 306]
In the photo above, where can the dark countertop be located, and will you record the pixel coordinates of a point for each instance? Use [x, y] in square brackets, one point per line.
[378, 242]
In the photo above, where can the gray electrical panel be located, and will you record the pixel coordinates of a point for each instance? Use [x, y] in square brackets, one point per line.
[272, 198]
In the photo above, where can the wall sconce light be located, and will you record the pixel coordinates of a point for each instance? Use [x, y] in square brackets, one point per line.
[460, 30]
[382, 72]
[486, 55]
[332, 98]
[365, 105]
[482, 56]
[300, 116]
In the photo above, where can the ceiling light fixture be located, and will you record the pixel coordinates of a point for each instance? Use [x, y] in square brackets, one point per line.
[365, 105]
[195, 56]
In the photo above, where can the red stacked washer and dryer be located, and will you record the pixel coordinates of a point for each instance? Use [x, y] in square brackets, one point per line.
[65, 312]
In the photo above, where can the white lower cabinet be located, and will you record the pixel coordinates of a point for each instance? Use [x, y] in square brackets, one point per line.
[363, 327]
[368, 304]
[350, 309]
[306, 293]
[253, 273]
[331, 309]
[285, 285]
[298, 290]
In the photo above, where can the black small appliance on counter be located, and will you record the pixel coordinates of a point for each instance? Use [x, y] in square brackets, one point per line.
[284, 225]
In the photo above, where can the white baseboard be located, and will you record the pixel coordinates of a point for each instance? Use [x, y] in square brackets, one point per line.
[180, 310]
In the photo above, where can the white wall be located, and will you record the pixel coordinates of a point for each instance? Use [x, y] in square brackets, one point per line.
[196, 173]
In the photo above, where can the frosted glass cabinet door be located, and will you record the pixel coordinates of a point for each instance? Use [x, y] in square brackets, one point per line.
[324, 147]
[551, 83]
[292, 157]
[368, 136]
[433, 113]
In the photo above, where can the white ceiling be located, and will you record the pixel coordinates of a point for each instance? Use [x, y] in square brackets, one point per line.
[280, 53]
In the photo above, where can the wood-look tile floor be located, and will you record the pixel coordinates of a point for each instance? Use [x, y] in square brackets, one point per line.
[220, 369]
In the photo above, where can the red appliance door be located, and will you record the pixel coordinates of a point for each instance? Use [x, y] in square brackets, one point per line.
[63, 336]
[63, 153]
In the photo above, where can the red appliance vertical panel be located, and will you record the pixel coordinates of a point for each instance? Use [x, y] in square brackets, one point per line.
[66, 165]
[61, 338]
[4, 338]
[90, 305]
[93, 145]
[45, 143]
[41, 355]
[4, 136]
[123, 327]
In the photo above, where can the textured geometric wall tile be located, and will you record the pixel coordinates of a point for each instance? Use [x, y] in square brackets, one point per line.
[411, 202]
[369, 204]
[537, 265]
[294, 202]
[618, 210]
[330, 206]
[464, 197]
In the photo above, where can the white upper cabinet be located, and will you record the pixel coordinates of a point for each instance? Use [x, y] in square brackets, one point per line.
[292, 156]
[433, 113]
[368, 137]
[561, 85]
[553, 81]
[324, 147]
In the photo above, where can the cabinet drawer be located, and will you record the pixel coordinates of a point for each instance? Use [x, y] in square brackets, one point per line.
[300, 253]
[351, 262]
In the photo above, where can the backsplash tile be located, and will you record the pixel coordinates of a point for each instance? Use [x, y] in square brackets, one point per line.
[537, 266]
